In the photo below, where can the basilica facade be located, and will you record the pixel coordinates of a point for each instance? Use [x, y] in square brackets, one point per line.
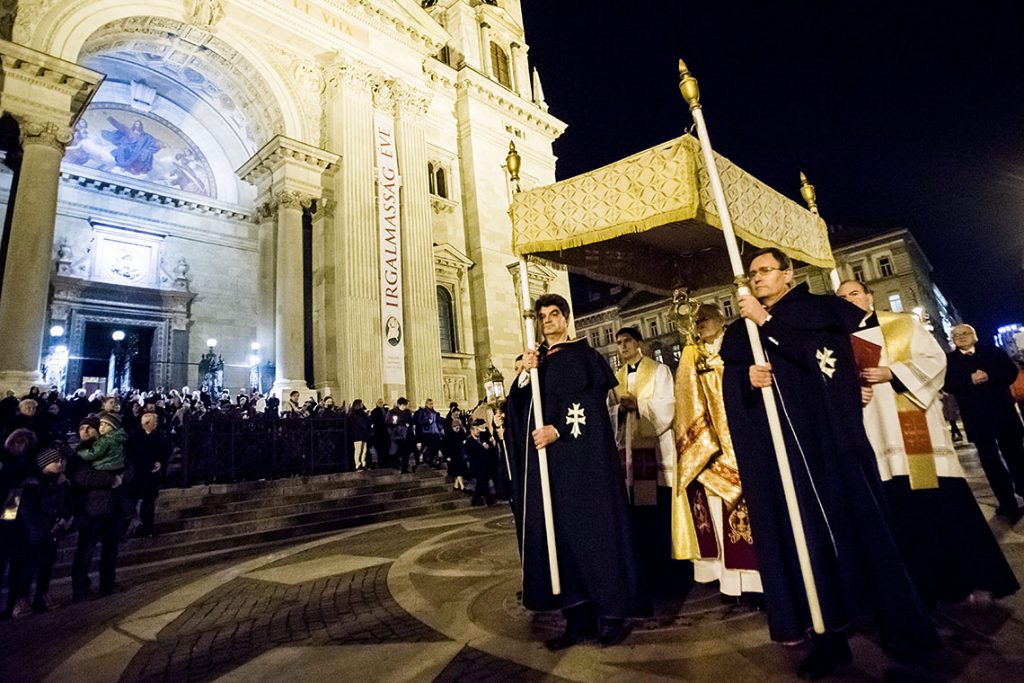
[311, 187]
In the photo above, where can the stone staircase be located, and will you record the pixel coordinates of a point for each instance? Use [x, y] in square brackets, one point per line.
[222, 521]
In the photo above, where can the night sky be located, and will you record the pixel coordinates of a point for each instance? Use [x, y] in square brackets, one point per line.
[900, 116]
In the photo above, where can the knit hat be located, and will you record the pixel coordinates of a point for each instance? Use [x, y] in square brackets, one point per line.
[111, 419]
[46, 456]
[90, 420]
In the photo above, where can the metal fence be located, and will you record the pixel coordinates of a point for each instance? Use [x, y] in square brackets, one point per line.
[227, 449]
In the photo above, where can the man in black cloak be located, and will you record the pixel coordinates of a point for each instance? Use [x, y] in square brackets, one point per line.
[855, 560]
[600, 586]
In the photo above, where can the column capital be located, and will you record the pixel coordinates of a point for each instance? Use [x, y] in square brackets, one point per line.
[284, 165]
[346, 71]
[290, 199]
[47, 133]
[410, 100]
[40, 87]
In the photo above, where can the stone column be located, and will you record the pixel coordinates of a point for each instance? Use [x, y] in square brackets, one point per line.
[423, 347]
[516, 58]
[27, 274]
[289, 304]
[352, 297]
[45, 95]
[485, 49]
[266, 218]
[288, 174]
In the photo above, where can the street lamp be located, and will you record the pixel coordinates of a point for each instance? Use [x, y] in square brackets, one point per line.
[494, 385]
[211, 369]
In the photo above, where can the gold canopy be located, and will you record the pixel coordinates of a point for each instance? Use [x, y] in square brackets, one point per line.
[650, 220]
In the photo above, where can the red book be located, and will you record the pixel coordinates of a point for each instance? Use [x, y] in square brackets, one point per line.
[866, 354]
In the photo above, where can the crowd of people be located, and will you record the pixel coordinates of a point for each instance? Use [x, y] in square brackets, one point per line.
[93, 465]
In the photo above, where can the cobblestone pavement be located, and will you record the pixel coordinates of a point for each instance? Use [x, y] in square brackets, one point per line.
[434, 599]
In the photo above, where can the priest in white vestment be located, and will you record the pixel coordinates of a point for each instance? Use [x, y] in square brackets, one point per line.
[642, 410]
[947, 545]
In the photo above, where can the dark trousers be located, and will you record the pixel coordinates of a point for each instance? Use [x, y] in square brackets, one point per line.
[431, 447]
[403, 450]
[1006, 441]
[105, 530]
[147, 511]
[482, 489]
[11, 545]
[36, 564]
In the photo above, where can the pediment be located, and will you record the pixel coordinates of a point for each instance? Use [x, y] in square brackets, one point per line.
[448, 255]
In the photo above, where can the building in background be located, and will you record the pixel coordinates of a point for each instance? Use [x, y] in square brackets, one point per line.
[892, 264]
[318, 186]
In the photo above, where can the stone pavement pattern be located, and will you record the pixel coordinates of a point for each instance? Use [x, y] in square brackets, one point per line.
[434, 599]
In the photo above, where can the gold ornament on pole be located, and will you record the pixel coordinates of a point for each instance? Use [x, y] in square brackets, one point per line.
[810, 198]
[691, 93]
[512, 163]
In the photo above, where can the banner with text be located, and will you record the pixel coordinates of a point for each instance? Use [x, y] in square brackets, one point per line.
[388, 182]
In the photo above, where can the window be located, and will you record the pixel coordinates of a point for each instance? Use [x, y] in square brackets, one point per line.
[437, 179]
[727, 308]
[441, 183]
[499, 65]
[614, 361]
[446, 320]
[895, 303]
[858, 271]
[658, 354]
[652, 326]
[595, 338]
[885, 268]
[677, 352]
[609, 337]
[445, 55]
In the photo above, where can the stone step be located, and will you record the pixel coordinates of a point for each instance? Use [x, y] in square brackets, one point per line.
[260, 500]
[225, 547]
[273, 509]
[198, 496]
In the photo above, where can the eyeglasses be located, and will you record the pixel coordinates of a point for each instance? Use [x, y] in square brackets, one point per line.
[763, 270]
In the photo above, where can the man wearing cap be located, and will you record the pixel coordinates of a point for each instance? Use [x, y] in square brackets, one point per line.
[642, 416]
[598, 572]
[99, 515]
[710, 518]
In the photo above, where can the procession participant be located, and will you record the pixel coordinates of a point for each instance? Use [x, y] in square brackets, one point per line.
[979, 376]
[600, 587]
[904, 366]
[710, 518]
[854, 558]
[642, 416]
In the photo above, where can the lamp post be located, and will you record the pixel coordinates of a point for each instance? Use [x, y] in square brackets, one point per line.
[211, 369]
[55, 365]
[494, 385]
[115, 369]
[254, 368]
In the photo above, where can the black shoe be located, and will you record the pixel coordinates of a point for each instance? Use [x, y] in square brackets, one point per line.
[1011, 515]
[572, 636]
[613, 632]
[81, 596]
[829, 652]
[110, 590]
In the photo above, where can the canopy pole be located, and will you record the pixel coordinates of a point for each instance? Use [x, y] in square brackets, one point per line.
[691, 93]
[512, 162]
[811, 199]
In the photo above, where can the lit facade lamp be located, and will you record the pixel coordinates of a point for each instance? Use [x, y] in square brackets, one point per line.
[117, 370]
[494, 385]
[254, 367]
[211, 369]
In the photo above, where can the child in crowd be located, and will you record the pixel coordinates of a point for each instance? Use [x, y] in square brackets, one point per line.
[44, 516]
[107, 454]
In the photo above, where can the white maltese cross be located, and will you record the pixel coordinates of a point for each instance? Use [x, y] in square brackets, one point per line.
[826, 361]
[575, 417]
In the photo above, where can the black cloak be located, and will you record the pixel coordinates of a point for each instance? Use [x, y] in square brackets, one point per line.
[596, 555]
[855, 560]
